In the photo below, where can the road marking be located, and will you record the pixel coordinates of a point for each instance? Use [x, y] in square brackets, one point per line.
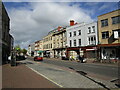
[45, 77]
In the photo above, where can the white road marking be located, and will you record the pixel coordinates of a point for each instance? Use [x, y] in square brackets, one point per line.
[46, 77]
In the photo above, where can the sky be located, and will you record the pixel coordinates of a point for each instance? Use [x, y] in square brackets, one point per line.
[31, 21]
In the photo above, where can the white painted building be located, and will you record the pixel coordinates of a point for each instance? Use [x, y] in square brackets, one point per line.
[74, 33]
[92, 34]
[31, 49]
[82, 36]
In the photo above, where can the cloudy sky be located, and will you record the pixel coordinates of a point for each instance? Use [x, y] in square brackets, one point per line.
[31, 21]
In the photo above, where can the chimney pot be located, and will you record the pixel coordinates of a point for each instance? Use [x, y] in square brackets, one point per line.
[71, 22]
[59, 27]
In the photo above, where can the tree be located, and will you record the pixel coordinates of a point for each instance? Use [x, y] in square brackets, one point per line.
[17, 48]
[24, 51]
[20, 50]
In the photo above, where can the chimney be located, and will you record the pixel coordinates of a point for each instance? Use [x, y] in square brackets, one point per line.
[59, 27]
[71, 22]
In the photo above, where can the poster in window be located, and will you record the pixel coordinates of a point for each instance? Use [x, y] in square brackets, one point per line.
[115, 34]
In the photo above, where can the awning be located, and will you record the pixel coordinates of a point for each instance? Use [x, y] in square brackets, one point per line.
[40, 51]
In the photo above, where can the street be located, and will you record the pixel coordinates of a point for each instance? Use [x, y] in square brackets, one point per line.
[55, 74]
[105, 70]
[93, 72]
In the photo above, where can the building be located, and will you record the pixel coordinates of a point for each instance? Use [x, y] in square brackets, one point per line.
[36, 48]
[109, 35]
[82, 39]
[7, 39]
[39, 48]
[11, 43]
[31, 49]
[59, 42]
[47, 45]
[0, 33]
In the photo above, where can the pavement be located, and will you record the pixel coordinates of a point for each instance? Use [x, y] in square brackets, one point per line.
[22, 77]
[30, 74]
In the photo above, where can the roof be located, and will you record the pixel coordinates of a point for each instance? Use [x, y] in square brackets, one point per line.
[109, 12]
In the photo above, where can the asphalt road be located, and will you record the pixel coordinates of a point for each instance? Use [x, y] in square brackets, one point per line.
[104, 70]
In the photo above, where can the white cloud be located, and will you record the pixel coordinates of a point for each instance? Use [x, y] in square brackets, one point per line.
[30, 25]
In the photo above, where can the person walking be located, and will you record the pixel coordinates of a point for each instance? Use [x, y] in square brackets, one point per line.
[80, 59]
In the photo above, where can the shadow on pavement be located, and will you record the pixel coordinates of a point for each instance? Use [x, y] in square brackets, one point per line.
[84, 74]
[117, 82]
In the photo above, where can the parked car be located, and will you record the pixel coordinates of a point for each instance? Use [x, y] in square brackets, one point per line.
[38, 58]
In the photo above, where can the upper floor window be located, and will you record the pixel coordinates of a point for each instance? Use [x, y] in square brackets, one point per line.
[93, 28]
[74, 42]
[51, 45]
[116, 33]
[79, 32]
[70, 34]
[74, 33]
[70, 43]
[89, 29]
[104, 22]
[79, 42]
[116, 20]
[105, 35]
[92, 40]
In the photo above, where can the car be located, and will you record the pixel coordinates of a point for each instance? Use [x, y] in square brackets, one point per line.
[38, 58]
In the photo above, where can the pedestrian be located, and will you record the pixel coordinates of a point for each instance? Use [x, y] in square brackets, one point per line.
[82, 58]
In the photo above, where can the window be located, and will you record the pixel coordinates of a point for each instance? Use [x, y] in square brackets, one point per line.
[70, 34]
[70, 43]
[116, 20]
[92, 40]
[79, 32]
[105, 35]
[74, 33]
[89, 29]
[74, 42]
[51, 45]
[93, 28]
[79, 41]
[104, 22]
[118, 32]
